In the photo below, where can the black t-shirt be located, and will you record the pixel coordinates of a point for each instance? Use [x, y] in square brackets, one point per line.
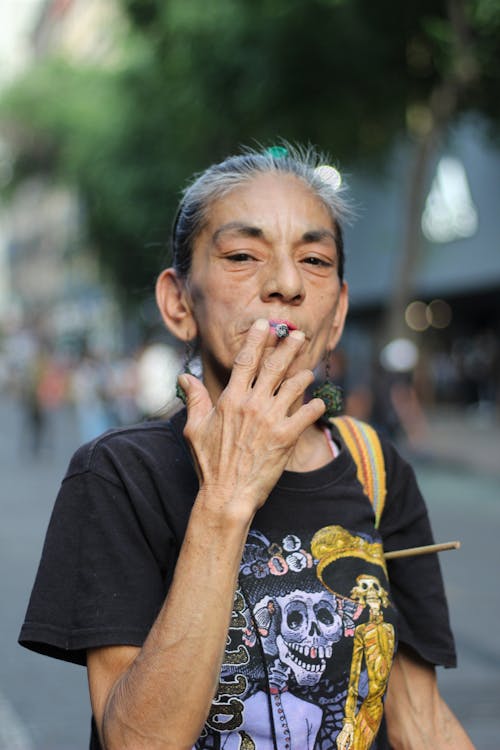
[313, 595]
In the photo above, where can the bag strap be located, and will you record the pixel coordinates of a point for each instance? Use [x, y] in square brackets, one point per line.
[364, 445]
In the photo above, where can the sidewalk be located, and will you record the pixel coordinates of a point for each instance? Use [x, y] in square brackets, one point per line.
[461, 438]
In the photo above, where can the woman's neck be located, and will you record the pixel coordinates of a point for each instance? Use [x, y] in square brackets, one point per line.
[312, 450]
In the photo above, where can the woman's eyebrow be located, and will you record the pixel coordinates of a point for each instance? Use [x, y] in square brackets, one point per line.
[319, 235]
[237, 228]
[240, 229]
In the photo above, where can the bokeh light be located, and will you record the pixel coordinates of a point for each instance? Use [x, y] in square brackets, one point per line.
[400, 355]
[416, 316]
[439, 314]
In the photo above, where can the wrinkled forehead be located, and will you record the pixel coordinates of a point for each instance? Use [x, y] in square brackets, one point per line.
[269, 195]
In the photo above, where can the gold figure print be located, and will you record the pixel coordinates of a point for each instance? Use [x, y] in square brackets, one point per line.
[353, 567]
[373, 642]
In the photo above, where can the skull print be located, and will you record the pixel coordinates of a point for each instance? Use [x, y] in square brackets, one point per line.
[306, 627]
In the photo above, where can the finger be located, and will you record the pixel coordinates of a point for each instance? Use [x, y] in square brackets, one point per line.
[199, 405]
[274, 367]
[293, 388]
[248, 359]
[306, 416]
[198, 401]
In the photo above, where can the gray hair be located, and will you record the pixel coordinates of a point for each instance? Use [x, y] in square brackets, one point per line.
[235, 171]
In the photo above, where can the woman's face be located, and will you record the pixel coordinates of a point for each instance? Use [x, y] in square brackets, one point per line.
[267, 251]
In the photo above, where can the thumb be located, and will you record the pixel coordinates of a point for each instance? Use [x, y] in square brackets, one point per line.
[195, 394]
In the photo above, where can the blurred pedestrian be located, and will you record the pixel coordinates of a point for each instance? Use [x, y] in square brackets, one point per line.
[90, 396]
[34, 415]
[157, 368]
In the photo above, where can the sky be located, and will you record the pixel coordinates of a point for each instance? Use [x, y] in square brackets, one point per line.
[16, 21]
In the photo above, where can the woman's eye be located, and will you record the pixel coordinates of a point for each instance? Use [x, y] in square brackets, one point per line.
[315, 261]
[239, 257]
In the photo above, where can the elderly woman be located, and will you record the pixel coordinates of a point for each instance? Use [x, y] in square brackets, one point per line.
[217, 571]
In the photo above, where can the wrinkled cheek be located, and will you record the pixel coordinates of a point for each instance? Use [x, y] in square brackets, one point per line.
[315, 353]
[216, 350]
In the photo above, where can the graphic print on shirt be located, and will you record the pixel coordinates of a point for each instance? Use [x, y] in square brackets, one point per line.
[309, 648]
[373, 641]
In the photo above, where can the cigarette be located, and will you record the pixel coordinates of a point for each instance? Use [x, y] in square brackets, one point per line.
[281, 330]
[425, 550]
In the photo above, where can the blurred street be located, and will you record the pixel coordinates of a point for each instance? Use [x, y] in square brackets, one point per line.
[108, 109]
[44, 704]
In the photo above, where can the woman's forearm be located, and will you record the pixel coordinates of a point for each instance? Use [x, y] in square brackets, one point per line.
[163, 698]
[417, 717]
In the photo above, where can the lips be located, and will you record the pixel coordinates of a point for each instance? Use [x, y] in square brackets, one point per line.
[273, 323]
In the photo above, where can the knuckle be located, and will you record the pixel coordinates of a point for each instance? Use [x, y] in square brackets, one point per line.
[299, 382]
[305, 379]
[290, 386]
[308, 376]
[255, 335]
[245, 358]
[282, 437]
[273, 365]
[253, 408]
[226, 402]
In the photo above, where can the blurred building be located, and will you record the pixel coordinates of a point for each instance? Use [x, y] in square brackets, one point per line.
[54, 284]
[460, 255]
[453, 315]
[80, 31]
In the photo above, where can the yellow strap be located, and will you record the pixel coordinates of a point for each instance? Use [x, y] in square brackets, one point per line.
[364, 445]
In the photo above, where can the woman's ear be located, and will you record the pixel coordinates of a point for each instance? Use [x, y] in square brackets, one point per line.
[173, 302]
[339, 317]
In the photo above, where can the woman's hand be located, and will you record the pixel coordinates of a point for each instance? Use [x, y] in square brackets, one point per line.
[242, 443]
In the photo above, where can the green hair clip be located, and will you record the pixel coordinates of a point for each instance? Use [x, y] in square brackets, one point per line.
[277, 152]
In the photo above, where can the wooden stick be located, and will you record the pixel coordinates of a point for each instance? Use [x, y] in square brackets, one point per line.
[421, 550]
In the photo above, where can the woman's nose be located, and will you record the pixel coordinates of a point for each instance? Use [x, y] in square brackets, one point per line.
[283, 281]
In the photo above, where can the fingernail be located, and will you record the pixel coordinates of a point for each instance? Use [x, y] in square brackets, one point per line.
[261, 324]
[299, 335]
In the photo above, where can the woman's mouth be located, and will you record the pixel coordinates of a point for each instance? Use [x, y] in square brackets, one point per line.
[282, 328]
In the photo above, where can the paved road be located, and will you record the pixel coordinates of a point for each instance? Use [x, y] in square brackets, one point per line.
[465, 506]
[44, 704]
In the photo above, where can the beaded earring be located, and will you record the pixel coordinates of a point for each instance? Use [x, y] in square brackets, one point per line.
[188, 357]
[332, 395]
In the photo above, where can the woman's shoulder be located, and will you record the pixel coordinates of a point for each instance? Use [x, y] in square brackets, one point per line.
[147, 443]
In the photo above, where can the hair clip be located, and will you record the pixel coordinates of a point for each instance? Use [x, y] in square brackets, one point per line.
[277, 152]
[330, 175]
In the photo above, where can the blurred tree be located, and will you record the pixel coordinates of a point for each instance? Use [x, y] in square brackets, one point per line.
[465, 45]
[197, 81]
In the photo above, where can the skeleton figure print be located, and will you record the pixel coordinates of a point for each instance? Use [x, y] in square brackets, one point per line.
[373, 641]
[310, 645]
